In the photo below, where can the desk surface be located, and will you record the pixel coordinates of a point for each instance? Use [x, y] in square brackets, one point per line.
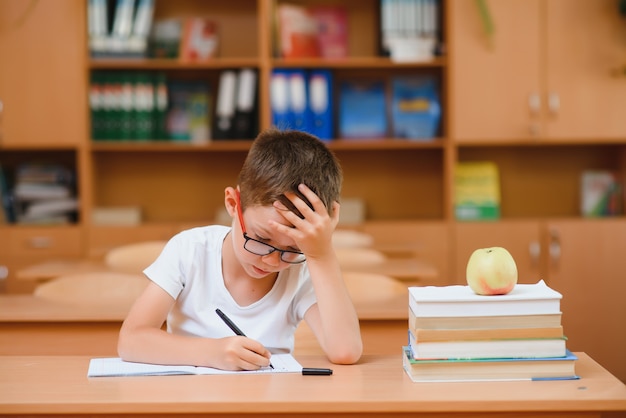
[407, 269]
[28, 308]
[59, 385]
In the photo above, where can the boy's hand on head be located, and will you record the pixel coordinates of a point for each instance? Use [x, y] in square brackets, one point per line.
[241, 353]
[313, 233]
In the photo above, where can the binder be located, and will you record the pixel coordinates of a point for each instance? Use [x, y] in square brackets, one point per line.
[245, 125]
[225, 106]
[298, 100]
[123, 21]
[279, 99]
[320, 103]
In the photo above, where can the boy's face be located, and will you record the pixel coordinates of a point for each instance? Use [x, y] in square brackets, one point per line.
[255, 224]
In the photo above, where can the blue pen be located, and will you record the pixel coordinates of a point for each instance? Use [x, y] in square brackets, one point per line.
[232, 325]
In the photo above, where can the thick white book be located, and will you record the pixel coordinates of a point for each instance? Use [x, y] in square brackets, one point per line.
[461, 301]
[488, 349]
[115, 366]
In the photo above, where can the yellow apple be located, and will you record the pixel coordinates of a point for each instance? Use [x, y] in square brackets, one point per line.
[491, 271]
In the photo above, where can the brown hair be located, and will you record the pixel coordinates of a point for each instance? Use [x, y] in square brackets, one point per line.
[279, 161]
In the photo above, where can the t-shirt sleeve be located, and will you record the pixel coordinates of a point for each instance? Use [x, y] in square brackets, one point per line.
[305, 295]
[167, 270]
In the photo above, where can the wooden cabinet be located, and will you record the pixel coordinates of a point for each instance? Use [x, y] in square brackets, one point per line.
[42, 78]
[174, 183]
[545, 73]
[587, 266]
[24, 246]
[582, 259]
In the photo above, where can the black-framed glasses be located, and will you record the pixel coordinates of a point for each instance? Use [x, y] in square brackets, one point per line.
[260, 248]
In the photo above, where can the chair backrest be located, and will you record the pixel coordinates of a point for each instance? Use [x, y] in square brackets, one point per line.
[93, 289]
[359, 256]
[133, 258]
[347, 238]
[369, 287]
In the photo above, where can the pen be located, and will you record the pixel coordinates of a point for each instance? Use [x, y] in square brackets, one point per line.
[232, 325]
[311, 371]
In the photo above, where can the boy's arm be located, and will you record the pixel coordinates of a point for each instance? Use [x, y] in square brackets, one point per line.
[333, 319]
[142, 339]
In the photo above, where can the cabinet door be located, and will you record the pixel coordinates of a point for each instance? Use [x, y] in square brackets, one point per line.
[586, 40]
[494, 79]
[42, 77]
[520, 238]
[587, 267]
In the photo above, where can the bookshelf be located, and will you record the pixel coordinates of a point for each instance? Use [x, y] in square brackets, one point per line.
[488, 95]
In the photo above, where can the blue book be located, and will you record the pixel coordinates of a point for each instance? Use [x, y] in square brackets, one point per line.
[493, 369]
[362, 110]
[415, 107]
[321, 104]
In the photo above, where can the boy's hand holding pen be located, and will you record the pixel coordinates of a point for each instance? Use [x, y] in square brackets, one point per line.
[306, 371]
[232, 326]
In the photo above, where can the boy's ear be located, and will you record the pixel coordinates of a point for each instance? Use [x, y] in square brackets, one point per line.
[231, 201]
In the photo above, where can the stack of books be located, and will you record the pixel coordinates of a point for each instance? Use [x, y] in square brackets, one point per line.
[44, 194]
[457, 335]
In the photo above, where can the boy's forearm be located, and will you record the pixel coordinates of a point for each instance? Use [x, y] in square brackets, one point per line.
[160, 347]
[338, 317]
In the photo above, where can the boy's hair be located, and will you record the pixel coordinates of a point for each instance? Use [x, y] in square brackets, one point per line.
[279, 161]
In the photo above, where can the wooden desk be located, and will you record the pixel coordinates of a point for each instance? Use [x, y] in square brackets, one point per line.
[377, 386]
[406, 269]
[410, 270]
[31, 326]
[51, 269]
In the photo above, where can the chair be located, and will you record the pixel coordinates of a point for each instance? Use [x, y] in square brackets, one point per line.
[359, 256]
[347, 238]
[369, 287]
[133, 258]
[93, 289]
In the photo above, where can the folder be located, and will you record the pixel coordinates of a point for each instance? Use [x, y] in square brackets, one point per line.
[298, 102]
[321, 104]
[245, 125]
[225, 106]
[279, 99]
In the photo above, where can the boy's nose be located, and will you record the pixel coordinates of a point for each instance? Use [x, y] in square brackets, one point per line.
[272, 259]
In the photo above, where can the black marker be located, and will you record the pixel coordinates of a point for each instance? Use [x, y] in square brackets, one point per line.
[232, 326]
[310, 371]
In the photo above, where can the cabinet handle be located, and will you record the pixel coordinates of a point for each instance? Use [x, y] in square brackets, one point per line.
[534, 250]
[4, 272]
[554, 103]
[534, 129]
[554, 249]
[534, 103]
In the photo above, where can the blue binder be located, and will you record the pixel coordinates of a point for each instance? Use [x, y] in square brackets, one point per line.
[320, 102]
[298, 100]
[279, 99]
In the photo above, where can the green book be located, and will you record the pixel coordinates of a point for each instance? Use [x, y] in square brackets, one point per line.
[477, 191]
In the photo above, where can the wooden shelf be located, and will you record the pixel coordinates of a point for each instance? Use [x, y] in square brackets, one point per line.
[170, 64]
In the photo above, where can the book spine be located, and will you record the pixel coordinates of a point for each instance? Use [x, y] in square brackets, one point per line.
[441, 335]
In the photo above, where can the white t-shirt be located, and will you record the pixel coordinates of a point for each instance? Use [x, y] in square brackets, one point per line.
[190, 270]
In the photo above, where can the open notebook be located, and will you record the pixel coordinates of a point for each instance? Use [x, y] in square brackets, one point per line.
[115, 366]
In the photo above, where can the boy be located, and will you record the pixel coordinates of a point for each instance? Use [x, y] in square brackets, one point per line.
[272, 268]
